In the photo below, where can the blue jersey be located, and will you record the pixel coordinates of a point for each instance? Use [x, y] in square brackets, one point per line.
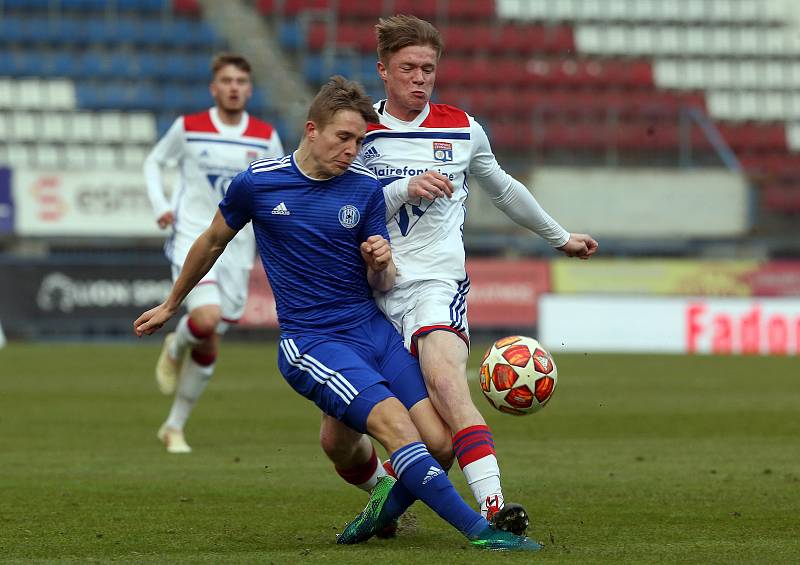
[308, 234]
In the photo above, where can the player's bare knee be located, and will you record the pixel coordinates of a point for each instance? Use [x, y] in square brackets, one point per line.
[205, 320]
[339, 447]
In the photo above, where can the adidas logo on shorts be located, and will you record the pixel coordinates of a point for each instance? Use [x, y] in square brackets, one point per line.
[281, 210]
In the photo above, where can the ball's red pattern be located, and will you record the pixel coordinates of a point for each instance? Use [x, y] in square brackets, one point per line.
[517, 355]
[504, 376]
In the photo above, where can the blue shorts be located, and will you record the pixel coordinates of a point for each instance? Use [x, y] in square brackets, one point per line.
[346, 373]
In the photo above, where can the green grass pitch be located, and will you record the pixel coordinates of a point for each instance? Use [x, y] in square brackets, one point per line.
[638, 459]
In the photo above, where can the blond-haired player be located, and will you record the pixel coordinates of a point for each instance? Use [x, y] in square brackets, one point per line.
[425, 154]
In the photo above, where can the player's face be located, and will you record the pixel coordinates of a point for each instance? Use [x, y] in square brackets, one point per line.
[231, 88]
[335, 146]
[409, 75]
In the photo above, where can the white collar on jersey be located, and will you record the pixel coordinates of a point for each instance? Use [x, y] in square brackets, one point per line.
[225, 129]
[389, 119]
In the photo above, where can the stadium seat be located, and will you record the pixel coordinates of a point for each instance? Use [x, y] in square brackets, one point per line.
[140, 127]
[133, 157]
[82, 127]
[104, 157]
[48, 156]
[53, 127]
[781, 198]
[110, 127]
[20, 155]
[25, 126]
[77, 157]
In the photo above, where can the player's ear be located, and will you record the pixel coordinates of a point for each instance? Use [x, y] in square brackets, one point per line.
[311, 130]
[381, 70]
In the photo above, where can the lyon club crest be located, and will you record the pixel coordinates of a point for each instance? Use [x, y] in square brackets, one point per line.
[442, 151]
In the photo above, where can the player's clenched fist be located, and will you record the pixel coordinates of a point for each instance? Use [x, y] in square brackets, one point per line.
[377, 252]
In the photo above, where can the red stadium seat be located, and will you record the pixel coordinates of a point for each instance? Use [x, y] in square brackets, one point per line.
[781, 198]
[366, 9]
[187, 7]
[755, 137]
[290, 7]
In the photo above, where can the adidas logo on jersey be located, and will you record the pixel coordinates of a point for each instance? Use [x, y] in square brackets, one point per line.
[432, 472]
[371, 152]
[281, 210]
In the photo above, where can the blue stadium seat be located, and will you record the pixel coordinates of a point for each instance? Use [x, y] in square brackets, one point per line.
[11, 31]
[6, 63]
[150, 65]
[101, 31]
[141, 97]
[291, 35]
[68, 31]
[164, 121]
[141, 6]
[64, 64]
[83, 5]
[26, 5]
[128, 31]
[122, 65]
[29, 64]
[88, 96]
[92, 64]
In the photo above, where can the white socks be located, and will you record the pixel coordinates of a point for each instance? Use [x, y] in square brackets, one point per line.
[191, 383]
[483, 478]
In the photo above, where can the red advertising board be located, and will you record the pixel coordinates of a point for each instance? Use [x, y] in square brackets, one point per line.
[503, 293]
[775, 278]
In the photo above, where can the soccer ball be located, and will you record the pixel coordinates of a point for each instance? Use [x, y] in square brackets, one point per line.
[517, 375]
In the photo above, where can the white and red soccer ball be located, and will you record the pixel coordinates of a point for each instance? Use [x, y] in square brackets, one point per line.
[518, 375]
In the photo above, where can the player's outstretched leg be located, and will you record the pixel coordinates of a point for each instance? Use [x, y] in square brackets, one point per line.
[389, 499]
[443, 357]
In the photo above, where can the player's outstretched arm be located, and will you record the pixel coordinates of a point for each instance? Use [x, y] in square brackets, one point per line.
[580, 245]
[203, 254]
[377, 254]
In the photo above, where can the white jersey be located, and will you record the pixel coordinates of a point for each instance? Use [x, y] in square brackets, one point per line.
[209, 154]
[427, 236]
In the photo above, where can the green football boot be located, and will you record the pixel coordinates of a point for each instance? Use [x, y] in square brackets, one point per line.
[498, 540]
[372, 519]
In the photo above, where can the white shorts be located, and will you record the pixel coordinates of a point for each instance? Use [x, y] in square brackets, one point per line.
[419, 307]
[224, 286]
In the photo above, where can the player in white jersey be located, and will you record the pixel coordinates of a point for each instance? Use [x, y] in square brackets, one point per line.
[425, 154]
[210, 148]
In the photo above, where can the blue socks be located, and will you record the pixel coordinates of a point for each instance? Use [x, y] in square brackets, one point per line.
[421, 477]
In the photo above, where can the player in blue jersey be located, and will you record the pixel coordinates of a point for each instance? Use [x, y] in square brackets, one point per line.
[319, 222]
[426, 154]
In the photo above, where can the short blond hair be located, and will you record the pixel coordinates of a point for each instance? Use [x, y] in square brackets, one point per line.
[400, 31]
[340, 94]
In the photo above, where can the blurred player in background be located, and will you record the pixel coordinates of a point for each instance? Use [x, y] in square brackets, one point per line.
[210, 147]
[320, 226]
[423, 153]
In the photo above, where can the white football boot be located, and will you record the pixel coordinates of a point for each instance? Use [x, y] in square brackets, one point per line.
[167, 368]
[173, 440]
